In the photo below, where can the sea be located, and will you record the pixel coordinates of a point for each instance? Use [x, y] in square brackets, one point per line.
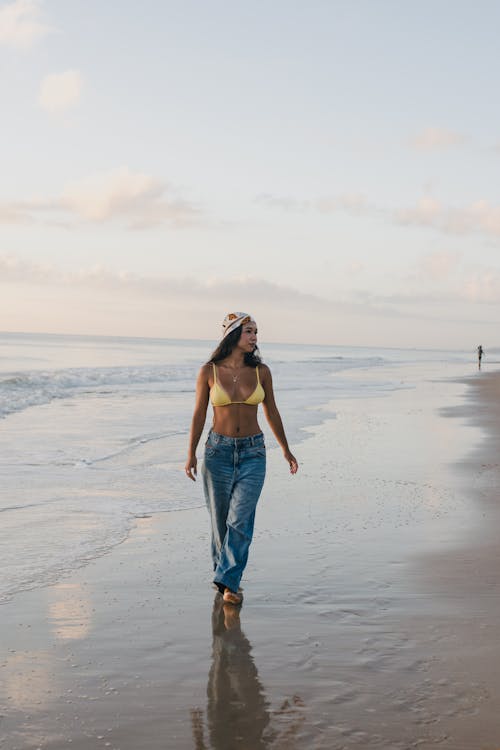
[94, 432]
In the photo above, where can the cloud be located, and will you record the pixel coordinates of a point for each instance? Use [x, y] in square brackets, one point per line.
[283, 203]
[482, 286]
[427, 211]
[60, 91]
[21, 23]
[139, 199]
[475, 297]
[154, 305]
[444, 277]
[167, 303]
[123, 193]
[352, 202]
[14, 213]
[355, 267]
[473, 284]
[485, 216]
[431, 139]
[439, 266]
[98, 300]
[13, 269]
[478, 217]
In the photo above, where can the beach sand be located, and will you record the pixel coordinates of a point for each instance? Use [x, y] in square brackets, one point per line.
[370, 614]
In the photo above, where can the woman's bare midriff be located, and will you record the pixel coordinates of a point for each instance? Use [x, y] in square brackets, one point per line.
[236, 420]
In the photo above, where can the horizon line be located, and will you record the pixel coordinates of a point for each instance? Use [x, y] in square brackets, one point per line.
[211, 341]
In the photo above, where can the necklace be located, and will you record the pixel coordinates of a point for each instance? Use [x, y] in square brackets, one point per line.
[235, 377]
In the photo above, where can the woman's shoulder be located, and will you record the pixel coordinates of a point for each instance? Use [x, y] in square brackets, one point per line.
[263, 369]
[206, 370]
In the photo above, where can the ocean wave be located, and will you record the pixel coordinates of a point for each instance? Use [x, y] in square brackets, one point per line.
[21, 390]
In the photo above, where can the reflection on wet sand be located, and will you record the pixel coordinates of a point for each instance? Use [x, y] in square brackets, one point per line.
[70, 611]
[27, 681]
[238, 713]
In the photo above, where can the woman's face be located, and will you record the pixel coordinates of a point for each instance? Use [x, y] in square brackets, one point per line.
[248, 338]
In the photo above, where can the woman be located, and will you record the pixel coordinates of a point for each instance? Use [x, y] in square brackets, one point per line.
[236, 382]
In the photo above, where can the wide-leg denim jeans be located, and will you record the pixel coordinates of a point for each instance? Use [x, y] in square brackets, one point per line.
[233, 474]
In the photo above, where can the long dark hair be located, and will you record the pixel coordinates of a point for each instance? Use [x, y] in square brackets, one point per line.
[226, 346]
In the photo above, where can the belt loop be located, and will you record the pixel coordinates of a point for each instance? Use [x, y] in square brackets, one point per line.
[252, 439]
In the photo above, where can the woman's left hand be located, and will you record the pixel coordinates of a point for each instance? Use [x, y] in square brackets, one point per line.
[292, 461]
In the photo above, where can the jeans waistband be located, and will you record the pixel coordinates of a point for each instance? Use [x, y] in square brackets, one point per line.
[235, 442]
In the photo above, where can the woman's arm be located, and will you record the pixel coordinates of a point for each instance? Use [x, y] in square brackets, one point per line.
[274, 419]
[198, 421]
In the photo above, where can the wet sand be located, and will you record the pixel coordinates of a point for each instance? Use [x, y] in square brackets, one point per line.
[370, 614]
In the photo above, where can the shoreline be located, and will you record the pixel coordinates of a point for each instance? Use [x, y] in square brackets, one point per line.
[354, 632]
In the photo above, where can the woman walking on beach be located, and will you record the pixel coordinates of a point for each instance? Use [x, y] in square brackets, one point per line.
[236, 382]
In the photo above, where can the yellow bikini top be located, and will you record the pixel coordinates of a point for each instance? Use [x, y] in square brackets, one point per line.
[219, 397]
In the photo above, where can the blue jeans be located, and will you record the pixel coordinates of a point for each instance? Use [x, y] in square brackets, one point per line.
[233, 474]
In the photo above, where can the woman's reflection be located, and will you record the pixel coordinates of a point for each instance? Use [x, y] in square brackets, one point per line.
[238, 714]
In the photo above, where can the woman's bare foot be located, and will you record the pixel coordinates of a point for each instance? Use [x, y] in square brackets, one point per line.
[233, 597]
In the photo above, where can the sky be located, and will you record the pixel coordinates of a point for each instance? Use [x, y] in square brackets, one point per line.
[330, 166]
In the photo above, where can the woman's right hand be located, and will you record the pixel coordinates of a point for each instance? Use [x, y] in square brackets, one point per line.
[190, 468]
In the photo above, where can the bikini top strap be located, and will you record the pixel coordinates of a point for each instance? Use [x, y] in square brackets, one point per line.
[258, 379]
[215, 372]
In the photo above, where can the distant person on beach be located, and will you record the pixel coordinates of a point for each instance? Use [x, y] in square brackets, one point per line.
[236, 382]
[480, 352]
